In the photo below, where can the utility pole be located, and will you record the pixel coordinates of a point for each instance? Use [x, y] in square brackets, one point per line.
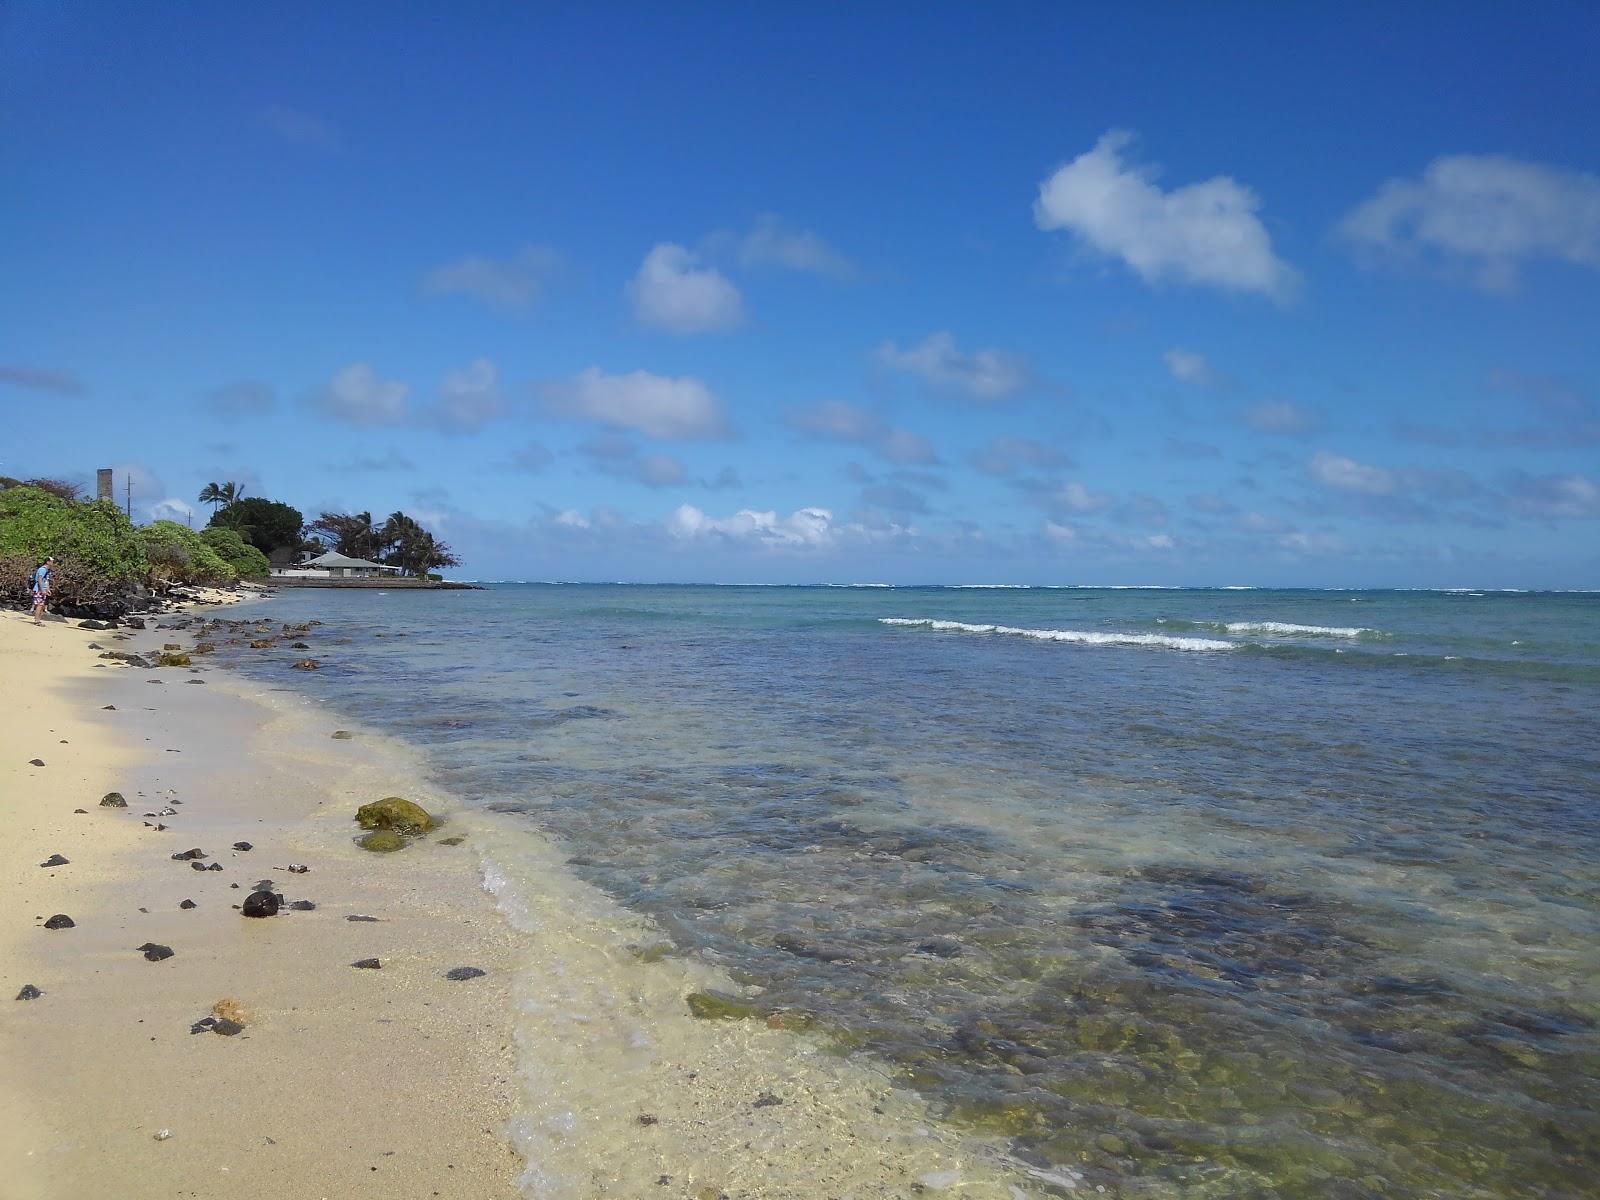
[128, 489]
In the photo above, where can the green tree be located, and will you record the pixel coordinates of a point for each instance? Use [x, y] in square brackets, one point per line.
[265, 524]
[351, 534]
[232, 549]
[99, 552]
[412, 548]
[211, 494]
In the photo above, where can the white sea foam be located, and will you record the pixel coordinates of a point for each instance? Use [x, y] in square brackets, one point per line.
[1288, 629]
[1080, 636]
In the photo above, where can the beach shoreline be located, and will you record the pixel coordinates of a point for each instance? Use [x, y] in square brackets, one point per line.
[571, 1068]
[344, 1081]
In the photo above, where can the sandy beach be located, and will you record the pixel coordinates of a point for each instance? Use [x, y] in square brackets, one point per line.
[344, 1081]
[574, 1051]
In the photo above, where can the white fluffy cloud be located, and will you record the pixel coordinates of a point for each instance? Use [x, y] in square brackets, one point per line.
[654, 405]
[803, 528]
[512, 284]
[982, 375]
[1204, 233]
[673, 292]
[837, 421]
[357, 395]
[1188, 366]
[1483, 214]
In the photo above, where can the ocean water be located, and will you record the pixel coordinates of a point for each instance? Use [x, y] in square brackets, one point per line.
[1179, 893]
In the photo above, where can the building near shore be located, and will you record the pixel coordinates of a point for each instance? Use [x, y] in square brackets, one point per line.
[336, 566]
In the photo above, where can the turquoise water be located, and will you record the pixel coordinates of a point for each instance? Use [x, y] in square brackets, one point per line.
[1196, 893]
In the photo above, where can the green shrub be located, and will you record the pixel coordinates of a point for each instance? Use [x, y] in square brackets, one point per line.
[244, 558]
[178, 555]
[98, 551]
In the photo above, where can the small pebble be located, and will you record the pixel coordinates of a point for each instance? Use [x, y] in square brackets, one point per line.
[60, 921]
[243, 846]
[766, 1100]
[188, 904]
[367, 964]
[163, 1134]
[303, 905]
[459, 973]
[55, 860]
[36, 762]
[108, 708]
[359, 917]
[29, 992]
[155, 952]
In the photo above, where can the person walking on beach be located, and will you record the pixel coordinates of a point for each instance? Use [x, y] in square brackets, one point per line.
[40, 582]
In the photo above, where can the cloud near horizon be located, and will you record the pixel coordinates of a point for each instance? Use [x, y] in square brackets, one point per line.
[1202, 233]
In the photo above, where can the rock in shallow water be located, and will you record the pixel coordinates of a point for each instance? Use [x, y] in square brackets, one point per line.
[394, 812]
[60, 921]
[459, 973]
[382, 841]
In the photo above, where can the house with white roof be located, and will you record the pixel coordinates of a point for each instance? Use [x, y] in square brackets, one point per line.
[337, 566]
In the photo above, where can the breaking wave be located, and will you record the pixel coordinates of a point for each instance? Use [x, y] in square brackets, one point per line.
[1080, 636]
[1275, 628]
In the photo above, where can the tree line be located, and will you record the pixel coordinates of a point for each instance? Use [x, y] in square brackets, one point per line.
[272, 526]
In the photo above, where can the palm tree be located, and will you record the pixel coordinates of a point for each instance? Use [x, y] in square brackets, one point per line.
[211, 494]
[229, 493]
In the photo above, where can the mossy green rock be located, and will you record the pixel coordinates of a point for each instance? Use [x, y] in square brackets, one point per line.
[392, 812]
[172, 658]
[713, 1006]
[384, 841]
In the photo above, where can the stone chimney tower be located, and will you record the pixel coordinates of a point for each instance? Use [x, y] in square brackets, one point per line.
[102, 484]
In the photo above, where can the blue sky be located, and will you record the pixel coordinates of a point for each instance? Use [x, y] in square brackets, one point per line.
[1211, 294]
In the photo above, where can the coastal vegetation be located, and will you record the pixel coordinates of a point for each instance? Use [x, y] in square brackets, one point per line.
[105, 563]
[399, 542]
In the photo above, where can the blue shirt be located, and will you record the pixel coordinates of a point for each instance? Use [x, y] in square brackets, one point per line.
[41, 578]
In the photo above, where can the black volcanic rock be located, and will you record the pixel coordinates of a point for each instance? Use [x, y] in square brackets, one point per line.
[60, 921]
[367, 964]
[186, 855]
[29, 992]
[187, 904]
[261, 904]
[243, 846]
[459, 973]
[155, 952]
[55, 860]
[113, 800]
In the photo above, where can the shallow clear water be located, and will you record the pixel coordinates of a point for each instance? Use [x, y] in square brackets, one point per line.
[1232, 893]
